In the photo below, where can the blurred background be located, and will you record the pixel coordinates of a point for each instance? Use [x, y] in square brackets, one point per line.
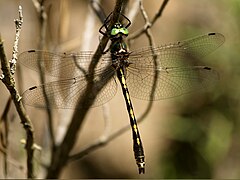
[191, 136]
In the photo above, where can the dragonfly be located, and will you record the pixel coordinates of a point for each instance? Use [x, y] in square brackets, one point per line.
[173, 72]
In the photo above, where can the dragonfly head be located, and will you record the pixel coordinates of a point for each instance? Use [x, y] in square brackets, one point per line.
[118, 31]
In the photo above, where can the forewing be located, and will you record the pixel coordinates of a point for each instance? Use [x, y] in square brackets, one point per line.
[67, 93]
[63, 65]
[182, 53]
[176, 70]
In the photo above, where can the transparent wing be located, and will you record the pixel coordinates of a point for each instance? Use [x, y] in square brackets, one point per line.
[182, 53]
[176, 71]
[63, 65]
[170, 82]
[66, 93]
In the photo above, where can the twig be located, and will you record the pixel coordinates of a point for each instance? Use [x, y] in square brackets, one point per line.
[39, 6]
[60, 157]
[18, 24]
[4, 134]
[101, 141]
[154, 55]
[150, 23]
[159, 13]
[98, 10]
[133, 10]
[147, 25]
[9, 81]
[87, 39]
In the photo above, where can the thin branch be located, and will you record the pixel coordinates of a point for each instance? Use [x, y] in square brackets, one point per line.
[9, 81]
[4, 130]
[159, 13]
[18, 24]
[147, 24]
[87, 38]
[5, 122]
[60, 157]
[133, 10]
[101, 141]
[154, 55]
[150, 23]
[98, 10]
[39, 6]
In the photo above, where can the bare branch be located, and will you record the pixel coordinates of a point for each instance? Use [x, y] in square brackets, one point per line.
[98, 10]
[4, 130]
[18, 24]
[159, 13]
[154, 55]
[150, 23]
[39, 6]
[101, 141]
[147, 25]
[60, 157]
[133, 10]
[9, 81]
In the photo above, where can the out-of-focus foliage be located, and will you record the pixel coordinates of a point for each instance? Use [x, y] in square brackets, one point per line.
[203, 137]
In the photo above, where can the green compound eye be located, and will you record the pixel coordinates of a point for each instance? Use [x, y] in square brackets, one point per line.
[124, 31]
[114, 31]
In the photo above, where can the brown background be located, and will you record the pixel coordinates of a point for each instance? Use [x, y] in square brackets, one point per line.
[192, 136]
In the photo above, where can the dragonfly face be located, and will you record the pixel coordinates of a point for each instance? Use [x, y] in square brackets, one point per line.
[118, 31]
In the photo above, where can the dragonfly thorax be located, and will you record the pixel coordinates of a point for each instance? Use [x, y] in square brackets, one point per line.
[119, 53]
